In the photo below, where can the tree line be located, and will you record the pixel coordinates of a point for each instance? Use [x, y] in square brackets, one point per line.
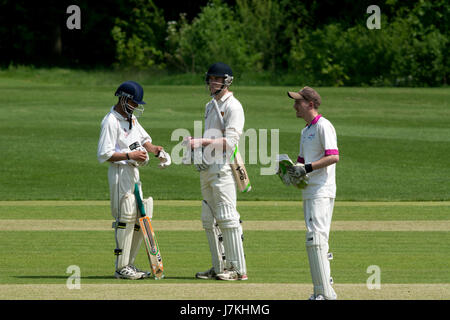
[325, 43]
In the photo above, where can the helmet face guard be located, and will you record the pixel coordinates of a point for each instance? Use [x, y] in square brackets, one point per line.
[224, 84]
[127, 107]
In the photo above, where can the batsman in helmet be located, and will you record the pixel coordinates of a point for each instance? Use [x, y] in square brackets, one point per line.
[224, 123]
[125, 145]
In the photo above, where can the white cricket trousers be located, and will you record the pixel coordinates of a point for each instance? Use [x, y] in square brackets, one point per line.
[318, 213]
[122, 179]
[219, 191]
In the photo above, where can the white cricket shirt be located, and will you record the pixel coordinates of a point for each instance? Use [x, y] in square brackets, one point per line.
[115, 136]
[233, 116]
[318, 140]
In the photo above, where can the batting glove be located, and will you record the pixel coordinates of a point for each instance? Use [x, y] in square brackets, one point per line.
[164, 159]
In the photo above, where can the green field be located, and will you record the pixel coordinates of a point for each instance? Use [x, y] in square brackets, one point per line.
[41, 239]
[394, 142]
[392, 208]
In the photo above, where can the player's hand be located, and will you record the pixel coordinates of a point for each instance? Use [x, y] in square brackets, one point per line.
[297, 171]
[196, 143]
[158, 149]
[138, 155]
[187, 142]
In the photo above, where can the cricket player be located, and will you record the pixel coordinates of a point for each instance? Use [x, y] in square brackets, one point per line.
[125, 145]
[318, 157]
[218, 185]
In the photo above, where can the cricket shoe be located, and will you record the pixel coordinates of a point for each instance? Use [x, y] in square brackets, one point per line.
[231, 275]
[128, 272]
[145, 274]
[208, 274]
[320, 297]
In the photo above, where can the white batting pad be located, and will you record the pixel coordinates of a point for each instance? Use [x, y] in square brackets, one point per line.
[227, 216]
[128, 208]
[212, 233]
[220, 243]
[148, 206]
[214, 247]
[234, 249]
[135, 243]
[319, 264]
[124, 238]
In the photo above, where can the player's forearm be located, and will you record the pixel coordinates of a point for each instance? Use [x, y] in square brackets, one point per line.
[203, 142]
[152, 148]
[119, 156]
[325, 162]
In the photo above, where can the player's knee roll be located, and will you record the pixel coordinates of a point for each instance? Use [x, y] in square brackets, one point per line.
[227, 216]
[128, 208]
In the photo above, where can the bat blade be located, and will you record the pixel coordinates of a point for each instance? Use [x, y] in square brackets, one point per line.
[240, 172]
[152, 248]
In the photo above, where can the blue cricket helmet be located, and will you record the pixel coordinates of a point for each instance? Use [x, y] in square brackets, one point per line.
[131, 90]
[220, 69]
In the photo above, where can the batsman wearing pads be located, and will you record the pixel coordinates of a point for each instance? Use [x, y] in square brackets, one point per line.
[126, 145]
[224, 123]
[318, 157]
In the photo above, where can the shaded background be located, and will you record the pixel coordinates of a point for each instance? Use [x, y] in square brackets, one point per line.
[319, 42]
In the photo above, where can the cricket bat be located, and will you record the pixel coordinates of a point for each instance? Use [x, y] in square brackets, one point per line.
[240, 172]
[236, 162]
[151, 245]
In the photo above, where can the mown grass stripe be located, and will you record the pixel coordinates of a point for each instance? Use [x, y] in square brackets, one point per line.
[240, 203]
[213, 290]
[195, 225]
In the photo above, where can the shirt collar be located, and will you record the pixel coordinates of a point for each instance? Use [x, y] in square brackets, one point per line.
[226, 96]
[117, 115]
[314, 120]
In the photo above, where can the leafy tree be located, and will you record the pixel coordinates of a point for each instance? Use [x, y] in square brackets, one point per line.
[138, 37]
[214, 35]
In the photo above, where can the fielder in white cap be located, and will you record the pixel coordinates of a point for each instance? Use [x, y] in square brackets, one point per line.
[224, 124]
[125, 145]
[317, 158]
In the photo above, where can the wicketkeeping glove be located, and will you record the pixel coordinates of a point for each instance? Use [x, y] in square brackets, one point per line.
[290, 173]
[296, 171]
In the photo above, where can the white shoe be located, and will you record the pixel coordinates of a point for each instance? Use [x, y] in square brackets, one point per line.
[128, 272]
[208, 274]
[145, 274]
[320, 297]
[231, 275]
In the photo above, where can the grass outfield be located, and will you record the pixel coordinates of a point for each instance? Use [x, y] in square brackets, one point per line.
[394, 142]
[249, 210]
[413, 262]
[392, 208]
